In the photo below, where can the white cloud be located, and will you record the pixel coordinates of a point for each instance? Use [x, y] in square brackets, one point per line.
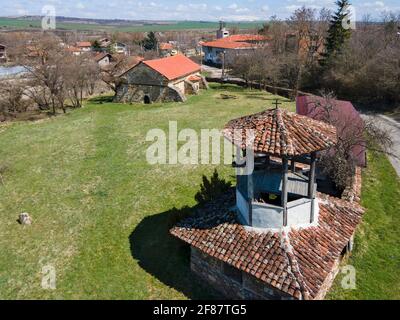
[80, 6]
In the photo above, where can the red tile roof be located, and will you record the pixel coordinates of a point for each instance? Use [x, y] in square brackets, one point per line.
[83, 44]
[279, 132]
[228, 44]
[166, 46]
[294, 261]
[194, 78]
[173, 67]
[246, 37]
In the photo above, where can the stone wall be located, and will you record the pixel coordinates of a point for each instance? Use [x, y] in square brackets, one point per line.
[127, 93]
[353, 192]
[247, 287]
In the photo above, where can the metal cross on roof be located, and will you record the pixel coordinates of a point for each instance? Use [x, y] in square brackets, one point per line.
[276, 103]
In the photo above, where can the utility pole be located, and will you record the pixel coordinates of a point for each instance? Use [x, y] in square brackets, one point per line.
[223, 65]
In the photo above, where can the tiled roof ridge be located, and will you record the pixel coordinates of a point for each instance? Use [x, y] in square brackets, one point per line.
[285, 138]
[293, 266]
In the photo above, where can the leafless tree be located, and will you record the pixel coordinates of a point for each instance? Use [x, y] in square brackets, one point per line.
[355, 136]
[110, 74]
[80, 78]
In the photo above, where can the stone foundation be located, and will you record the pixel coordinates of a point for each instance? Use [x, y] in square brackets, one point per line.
[238, 285]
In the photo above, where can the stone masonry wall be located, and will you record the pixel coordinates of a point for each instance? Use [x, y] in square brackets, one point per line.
[250, 288]
[353, 192]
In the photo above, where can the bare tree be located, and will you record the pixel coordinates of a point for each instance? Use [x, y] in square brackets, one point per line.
[110, 74]
[44, 60]
[80, 78]
[11, 97]
[355, 136]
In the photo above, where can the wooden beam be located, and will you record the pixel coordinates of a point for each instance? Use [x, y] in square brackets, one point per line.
[284, 195]
[311, 184]
[250, 192]
[293, 166]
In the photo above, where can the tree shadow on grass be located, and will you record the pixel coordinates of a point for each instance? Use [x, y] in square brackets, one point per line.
[101, 99]
[167, 258]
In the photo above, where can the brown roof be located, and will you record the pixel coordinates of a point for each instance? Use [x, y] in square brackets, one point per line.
[294, 261]
[100, 56]
[279, 132]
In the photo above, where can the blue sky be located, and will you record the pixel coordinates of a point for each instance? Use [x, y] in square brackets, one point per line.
[212, 10]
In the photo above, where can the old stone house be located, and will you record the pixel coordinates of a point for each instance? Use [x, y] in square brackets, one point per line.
[275, 236]
[160, 80]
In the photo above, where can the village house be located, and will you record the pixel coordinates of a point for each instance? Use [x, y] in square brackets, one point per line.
[215, 52]
[84, 46]
[103, 59]
[167, 49]
[73, 50]
[274, 236]
[3, 54]
[104, 43]
[165, 79]
[120, 48]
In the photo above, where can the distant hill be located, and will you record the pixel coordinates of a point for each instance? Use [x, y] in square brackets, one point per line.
[71, 23]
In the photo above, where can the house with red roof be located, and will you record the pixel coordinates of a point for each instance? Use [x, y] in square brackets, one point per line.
[160, 80]
[214, 52]
[84, 46]
[167, 49]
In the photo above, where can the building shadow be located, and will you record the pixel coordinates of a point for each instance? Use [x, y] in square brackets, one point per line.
[164, 256]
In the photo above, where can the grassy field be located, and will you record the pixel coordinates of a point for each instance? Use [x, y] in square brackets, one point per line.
[172, 26]
[101, 212]
[376, 256]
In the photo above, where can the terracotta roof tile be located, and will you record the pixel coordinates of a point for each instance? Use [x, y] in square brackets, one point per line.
[83, 44]
[245, 37]
[223, 44]
[166, 46]
[173, 67]
[296, 262]
[279, 132]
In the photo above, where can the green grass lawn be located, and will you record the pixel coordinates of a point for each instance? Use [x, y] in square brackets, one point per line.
[376, 255]
[100, 212]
